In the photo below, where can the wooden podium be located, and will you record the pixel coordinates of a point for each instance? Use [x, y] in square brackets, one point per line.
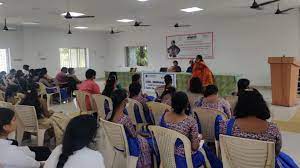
[284, 79]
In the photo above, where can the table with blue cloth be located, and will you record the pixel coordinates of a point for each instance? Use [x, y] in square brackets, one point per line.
[225, 83]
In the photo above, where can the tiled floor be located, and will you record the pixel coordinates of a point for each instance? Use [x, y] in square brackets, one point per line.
[290, 140]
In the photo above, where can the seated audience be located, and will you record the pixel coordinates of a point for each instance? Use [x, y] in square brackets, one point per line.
[10, 93]
[195, 91]
[45, 79]
[110, 86]
[25, 70]
[33, 75]
[167, 95]
[111, 74]
[251, 115]
[71, 74]
[12, 155]
[138, 145]
[62, 77]
[190, 68]
[72, 80]
[47, 75]
[38, 71]
[20, 81]
[201, 70]
[89, 86]
[168, 83]
[75, 151]
[135, 92]
[177, 120]
[175, 67]
[213, 101]
[11, 77]
[11, 74]
[32, 99]
[242, 85]
[3, 81]
[136, 78]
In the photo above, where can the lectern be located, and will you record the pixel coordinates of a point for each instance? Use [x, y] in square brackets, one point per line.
[284, 79]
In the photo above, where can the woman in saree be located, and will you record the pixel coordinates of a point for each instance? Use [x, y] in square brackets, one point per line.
[177, 120]
[202, 71]
[139, 146]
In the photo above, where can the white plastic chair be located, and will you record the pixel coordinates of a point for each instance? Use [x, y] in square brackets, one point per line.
[117, 138]
[19, 97]
[166, 139]
[8, 105]
[246, 153]
[130, 109]
[207, 119]
[81, 97]
[27, 122]
[99, 102]
[158, 110]
[43, 91]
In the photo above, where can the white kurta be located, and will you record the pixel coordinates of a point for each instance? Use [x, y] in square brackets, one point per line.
[12, 156]
[84, 158]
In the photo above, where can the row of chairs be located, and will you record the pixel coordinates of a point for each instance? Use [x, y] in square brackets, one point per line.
[26, 115]
[17, 98]
[98, 105]
[49, 96]
[42, 92]
[234, 151]
[26, 122]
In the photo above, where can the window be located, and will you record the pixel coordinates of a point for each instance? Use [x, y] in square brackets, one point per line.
[4, 60]
[137, 56]
[74, 57]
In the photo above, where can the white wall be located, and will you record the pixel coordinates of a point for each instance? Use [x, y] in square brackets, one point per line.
[13, 41]
[242, 45]
[31, 45]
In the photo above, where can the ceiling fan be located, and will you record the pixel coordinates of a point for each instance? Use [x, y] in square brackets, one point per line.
[112, 31]
[177, 25]
[140, 24]
[258, 6]
[69, 32]
[5, 28]
[69, 16]
[279, 12]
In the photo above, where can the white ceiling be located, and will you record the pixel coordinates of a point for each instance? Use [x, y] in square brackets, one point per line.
[154, 12]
